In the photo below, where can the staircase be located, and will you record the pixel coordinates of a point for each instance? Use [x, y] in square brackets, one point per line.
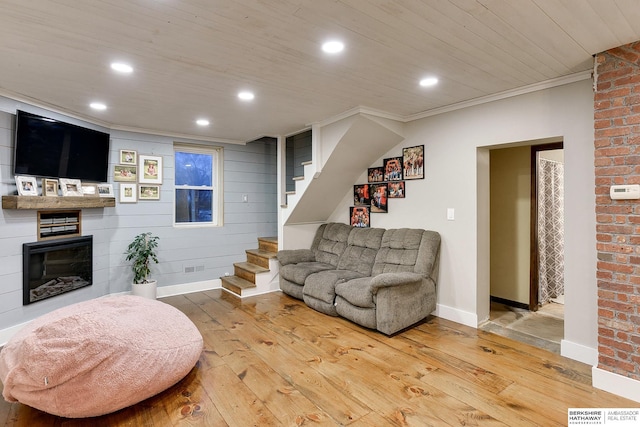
[259, 274]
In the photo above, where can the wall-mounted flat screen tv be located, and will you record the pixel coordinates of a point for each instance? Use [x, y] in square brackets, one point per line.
[52, 148]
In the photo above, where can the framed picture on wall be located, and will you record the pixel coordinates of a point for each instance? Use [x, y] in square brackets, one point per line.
[393, 169]
[379, 198]
[125, 173]
[361, 194]
[150, 169]
[360, 216]
[128, 157]
[396, 190]
[149, 192]
[375, 174]
[128, 193]
[413, 162]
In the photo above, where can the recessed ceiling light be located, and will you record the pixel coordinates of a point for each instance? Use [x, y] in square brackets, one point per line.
[246, 96]
[202, 122]
[98, 106]
[121, 67]
[429, 81]
[333, 46]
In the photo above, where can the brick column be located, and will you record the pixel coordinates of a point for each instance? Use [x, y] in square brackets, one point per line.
[617, 161]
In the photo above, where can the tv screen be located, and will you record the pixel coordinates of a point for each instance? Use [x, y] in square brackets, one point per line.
[52, 148]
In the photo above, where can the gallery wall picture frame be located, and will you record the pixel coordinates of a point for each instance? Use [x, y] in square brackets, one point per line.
[105, 190]
[392, 169]
[379, 198]
[128, 157]
[148, 192]
[361, 194]
[90, 190]
[49, 187]
[397, 190]
[375, 174]
[71, 187]
[128, 192]
[360, 216]
[413, 162]
[125, 173]
[149, 169]
[27, 185]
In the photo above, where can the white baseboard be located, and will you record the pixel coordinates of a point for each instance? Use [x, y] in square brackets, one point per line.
[188, 288]
[6, 334]
[455, 315]
[579, 352]
[616, 384]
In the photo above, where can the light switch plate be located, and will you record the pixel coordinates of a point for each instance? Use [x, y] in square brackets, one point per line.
[451, 214]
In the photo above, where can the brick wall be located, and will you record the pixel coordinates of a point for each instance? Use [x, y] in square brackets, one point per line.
[617, 161]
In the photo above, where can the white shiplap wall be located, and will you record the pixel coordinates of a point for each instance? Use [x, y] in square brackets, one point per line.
[248, 169]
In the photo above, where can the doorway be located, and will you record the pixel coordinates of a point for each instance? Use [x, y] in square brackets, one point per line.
[519, 305]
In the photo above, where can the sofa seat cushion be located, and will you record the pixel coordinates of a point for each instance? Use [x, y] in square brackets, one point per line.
[298, 273]
[357, 292]
[322, 285]
[99, 356]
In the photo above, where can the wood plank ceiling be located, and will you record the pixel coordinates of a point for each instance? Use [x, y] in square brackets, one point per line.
[191, 57]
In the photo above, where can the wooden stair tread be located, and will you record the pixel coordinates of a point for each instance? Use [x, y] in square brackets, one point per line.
[269, 239]
[252, 268]
[238, 282]
[262, 253]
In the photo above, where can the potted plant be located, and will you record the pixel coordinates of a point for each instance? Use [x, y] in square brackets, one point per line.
[142, 250]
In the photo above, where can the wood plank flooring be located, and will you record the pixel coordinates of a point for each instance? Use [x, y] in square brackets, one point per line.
[270, 360]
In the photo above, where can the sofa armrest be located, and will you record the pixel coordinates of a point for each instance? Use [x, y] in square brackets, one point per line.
[387, 280]
[294, 256]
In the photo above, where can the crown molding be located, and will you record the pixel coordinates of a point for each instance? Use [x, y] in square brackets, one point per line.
[547, 84]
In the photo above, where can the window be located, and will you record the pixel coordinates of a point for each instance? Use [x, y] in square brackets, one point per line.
[198, 172]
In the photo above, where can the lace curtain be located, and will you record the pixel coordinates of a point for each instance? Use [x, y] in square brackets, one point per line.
[550, 229]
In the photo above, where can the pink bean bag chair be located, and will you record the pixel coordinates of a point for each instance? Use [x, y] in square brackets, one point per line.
[99, 356]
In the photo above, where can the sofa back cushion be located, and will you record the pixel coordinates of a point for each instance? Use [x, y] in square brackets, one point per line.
[411, 250]
[362, 246]
[330, 242]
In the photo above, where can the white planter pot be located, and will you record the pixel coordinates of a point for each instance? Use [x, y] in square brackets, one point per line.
[146, 290]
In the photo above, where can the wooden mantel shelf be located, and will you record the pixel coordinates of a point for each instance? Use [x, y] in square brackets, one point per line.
[43, 202]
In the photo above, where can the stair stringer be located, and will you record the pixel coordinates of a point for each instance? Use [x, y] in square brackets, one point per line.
[355, 148]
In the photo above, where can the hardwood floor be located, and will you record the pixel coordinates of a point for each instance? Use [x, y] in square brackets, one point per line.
[270, 360]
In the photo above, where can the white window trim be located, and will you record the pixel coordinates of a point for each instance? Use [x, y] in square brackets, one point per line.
[217, 183]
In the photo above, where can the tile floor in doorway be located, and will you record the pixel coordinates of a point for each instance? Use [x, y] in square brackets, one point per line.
[543, 328]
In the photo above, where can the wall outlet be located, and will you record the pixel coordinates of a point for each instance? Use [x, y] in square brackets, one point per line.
[245, 198]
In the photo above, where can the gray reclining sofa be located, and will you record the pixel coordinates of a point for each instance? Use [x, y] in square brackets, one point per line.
[380, 279]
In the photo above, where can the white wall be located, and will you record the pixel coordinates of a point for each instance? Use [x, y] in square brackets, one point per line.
[248, 169]
[457, 176]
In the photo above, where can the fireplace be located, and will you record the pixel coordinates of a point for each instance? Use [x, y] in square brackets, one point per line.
[54, 267]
